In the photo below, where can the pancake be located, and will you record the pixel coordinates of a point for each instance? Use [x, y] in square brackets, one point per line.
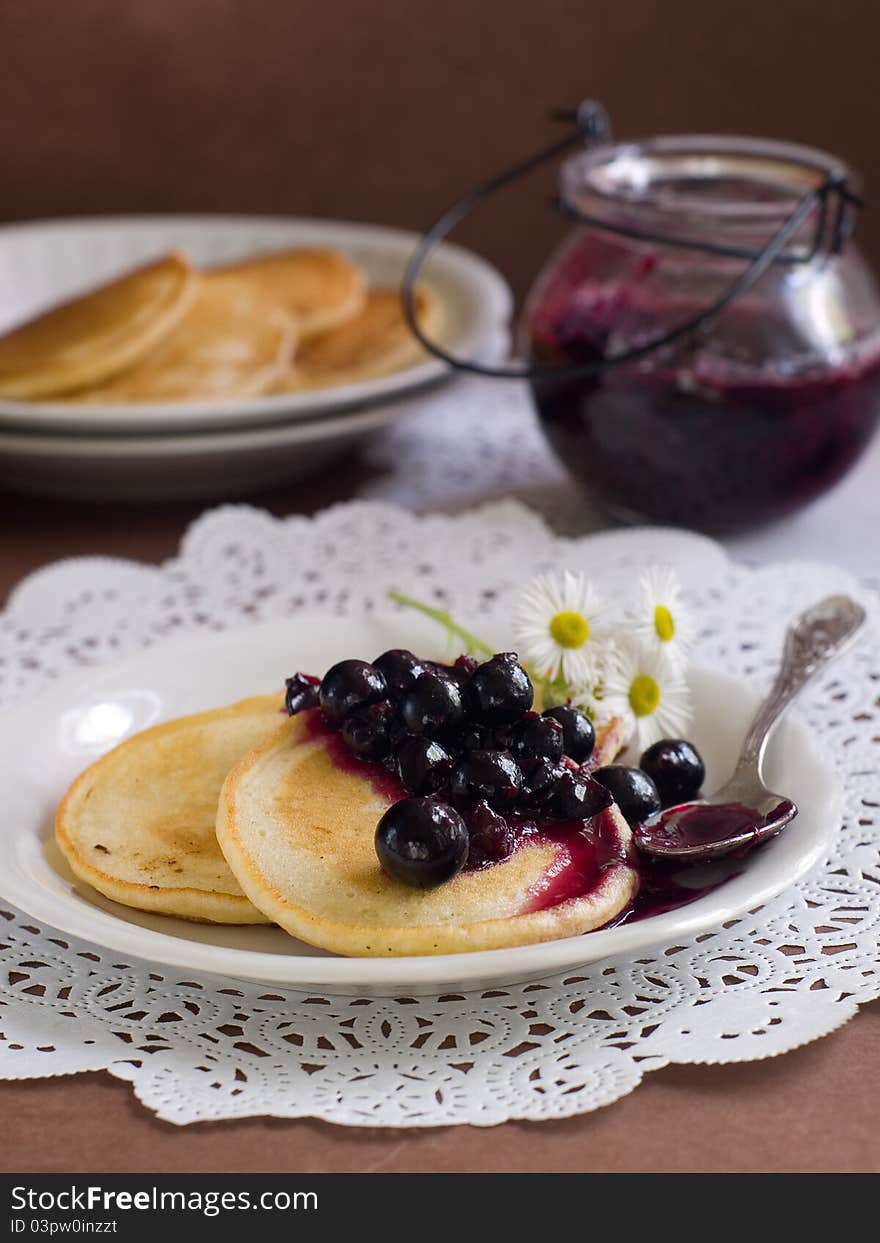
[138, 825]
[233, 342]
[374, 343]
[87, 340]
[320, 288]
[297, 830]
[610, 741]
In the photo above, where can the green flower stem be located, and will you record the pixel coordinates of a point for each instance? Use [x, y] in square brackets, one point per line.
[474, 643]
[452, 628]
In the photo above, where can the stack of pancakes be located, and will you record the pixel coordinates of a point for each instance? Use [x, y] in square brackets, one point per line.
[169, 332]
[240, 816]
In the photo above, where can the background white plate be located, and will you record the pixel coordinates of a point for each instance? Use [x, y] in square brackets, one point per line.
[45, 744]
[205, 464]
[46, 261]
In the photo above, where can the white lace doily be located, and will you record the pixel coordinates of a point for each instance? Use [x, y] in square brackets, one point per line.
[208, 1048]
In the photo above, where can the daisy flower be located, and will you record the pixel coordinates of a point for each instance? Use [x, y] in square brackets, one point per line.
[555, 623]
[662, 620]
[648, 690]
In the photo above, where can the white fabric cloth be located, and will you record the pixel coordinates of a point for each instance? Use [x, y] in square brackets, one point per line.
[197, 1048]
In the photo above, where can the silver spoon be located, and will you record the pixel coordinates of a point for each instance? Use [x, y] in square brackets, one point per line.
[744, 812]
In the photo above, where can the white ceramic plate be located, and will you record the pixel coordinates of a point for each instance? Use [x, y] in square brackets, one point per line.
[206, 464]
[45, 744]
[171, 467]
[44, 262]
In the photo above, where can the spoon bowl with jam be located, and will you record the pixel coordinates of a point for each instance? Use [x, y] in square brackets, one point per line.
[744, 812]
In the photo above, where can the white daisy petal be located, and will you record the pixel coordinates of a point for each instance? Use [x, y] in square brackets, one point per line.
[662, 620]
[648, 690]
[555, 624]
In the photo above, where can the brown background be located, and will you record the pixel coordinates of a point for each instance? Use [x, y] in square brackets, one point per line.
[384, 112]
[371, 110]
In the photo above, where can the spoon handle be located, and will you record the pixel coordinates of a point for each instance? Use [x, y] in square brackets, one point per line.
[818, 636]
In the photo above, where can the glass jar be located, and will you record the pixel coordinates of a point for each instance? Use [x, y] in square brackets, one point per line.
[756, 413]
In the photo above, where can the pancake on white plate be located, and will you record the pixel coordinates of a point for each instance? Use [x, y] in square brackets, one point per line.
[321, 289]
[234, 341]
[85, 341]
[297, 830]
[138, 825]
[376, 342]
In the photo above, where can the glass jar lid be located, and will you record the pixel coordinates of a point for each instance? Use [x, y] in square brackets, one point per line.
[713, 192]
[750, 198]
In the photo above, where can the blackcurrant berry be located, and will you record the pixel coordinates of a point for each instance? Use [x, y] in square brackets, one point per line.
[423, 765]
[350, 685]
[422, 842]
[578, 797]
[500, 690]
[633, 791]
[538, 738]
[578, 732]
[433, 705]
[491, 775]
[542, 781]
[301, 693]
[400, 668]
[492, 838]
[676, 768]
[366, 732]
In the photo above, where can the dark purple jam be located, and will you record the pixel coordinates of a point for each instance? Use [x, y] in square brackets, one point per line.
[668, 886]
[719, 433]
[583, 856]
[704, 824]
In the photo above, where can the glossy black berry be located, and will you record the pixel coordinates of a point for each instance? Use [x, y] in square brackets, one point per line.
[366, 731]
[460, 671]
[423, 765]
[301, 693]
[578, 797]
[475, 738]
[400, 668]
[422, 842]
[578, 732]
[350, 685]
[676, 768]
[433, 705]
[492, 838]
[500, 690]
[542, 781]
[538, 738]
[633, 791]
[398, 733]
[491, 775]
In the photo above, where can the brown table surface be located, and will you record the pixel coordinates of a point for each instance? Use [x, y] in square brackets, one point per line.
[815, 1109]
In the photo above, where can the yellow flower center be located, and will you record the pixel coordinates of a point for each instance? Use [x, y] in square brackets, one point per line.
[570, 629]
[644, 695]
[663, 623]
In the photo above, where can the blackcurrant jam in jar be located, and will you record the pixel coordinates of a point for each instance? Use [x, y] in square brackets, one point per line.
[755, 412]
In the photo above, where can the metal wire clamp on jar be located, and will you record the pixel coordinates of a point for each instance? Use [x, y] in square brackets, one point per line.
[704, 348]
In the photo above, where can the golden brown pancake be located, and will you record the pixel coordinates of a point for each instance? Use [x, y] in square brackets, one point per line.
[233, 342]
[374, 343]
[87, 340]
[610, 741]
[138, 825]
[320, 288]
[298, 832]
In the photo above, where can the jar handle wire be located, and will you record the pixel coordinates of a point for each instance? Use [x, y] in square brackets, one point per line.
[592, 128]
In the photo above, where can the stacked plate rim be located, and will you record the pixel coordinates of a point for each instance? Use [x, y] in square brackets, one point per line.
[205, 448]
